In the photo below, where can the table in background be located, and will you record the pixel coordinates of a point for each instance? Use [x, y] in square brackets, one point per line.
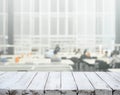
[114, 70]
[92, 64]
[37, 65]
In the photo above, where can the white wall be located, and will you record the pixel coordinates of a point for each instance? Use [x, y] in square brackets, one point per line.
[71, 23]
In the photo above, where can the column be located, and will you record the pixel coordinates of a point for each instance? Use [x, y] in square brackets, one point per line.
[117, 41]
[10, 27]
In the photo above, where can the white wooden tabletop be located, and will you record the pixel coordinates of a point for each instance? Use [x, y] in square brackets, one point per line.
[59, 83]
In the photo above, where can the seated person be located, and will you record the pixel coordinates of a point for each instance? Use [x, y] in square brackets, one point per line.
[114, 52]
[49, 53]
[86, 54]
[74, 51]
[57, 49]
[17, 59]
[101, 65]
[105, 54]
[2, 60]
[115, 62]
[55, 57]
[119, 50]
[78, 52]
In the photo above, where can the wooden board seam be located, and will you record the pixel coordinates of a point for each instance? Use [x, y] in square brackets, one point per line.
[89, 81]
[75, 83]
[105, 82]
[32, 79]
[46, 81]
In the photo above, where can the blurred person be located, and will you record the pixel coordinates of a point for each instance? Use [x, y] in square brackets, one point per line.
[55, 57]
[78, 52]
[1, 51]
[106, 54]
[86, 54]
[119, 50]
[74, 51]
[115, 61]
[49, 53]
[57, 49]
[2, 59]
[114, 52]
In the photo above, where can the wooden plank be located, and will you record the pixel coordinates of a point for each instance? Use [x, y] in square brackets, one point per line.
[20, 86]
[117, 73]
[8, 82]
[101, 88]
[5, 82]
[53, 84]
[68, 85]
[114, 75]
[38, 84]
[24, 81]
[112, 82]
[2, 73]
[5, 87]
[83, 84]
[6, 76]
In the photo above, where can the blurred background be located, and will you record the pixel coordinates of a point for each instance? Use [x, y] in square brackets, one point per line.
[37, 26]
[41, 24]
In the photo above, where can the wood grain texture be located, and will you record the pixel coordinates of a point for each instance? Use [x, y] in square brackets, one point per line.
[38, 83]
[114, 75]
[1, 73]
[59, 83]
[83, 84]
[9, 82]
[6, 80]
[68, 85]
[53, 84]
[112, 82]
[101, 88]
[21, 85]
